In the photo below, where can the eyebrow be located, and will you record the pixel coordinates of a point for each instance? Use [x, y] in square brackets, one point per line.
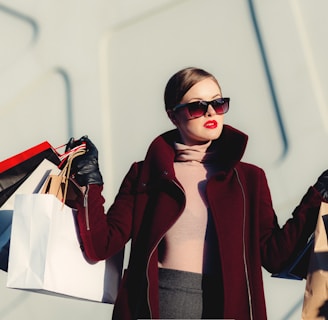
[218, 95]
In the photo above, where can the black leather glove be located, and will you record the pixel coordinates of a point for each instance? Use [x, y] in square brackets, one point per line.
[322, 185]
[85, 168]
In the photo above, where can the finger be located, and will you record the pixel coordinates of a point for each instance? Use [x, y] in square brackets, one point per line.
[70, 144]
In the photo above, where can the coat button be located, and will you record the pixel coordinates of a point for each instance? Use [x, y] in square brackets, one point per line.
[165, 173]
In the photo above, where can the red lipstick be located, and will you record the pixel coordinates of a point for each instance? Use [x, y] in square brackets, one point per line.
[211, 124]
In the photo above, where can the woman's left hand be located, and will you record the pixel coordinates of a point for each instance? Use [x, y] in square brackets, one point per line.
[322, 185]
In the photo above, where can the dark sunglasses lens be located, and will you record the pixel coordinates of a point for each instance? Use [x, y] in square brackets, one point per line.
[197, 109]
[221, 106]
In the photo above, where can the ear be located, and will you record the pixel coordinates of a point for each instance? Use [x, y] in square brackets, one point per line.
[172, 117]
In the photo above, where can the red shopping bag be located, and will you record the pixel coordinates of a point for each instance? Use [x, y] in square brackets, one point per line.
[23, 156]
[16, 169]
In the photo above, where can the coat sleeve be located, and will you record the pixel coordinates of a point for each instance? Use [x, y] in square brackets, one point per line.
[279, 245]
[103, 235]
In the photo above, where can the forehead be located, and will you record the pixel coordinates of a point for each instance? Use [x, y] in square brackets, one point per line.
[206, 89]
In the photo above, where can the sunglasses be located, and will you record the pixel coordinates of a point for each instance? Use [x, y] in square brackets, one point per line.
[197, 109]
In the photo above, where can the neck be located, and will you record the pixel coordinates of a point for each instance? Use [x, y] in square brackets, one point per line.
[193, 153]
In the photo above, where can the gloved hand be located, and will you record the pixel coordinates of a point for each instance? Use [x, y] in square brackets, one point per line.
[85, 168]
[322, 185]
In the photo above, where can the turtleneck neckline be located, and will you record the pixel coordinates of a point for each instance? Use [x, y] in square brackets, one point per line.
[197, 153]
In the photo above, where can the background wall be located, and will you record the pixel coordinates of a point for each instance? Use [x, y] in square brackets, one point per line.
[69, 68]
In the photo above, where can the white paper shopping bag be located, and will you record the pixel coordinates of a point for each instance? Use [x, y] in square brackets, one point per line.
[45, 253]
[32, 184]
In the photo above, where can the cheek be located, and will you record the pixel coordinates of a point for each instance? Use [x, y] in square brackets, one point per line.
[180, 120]
[221, 122]
[220, 128]
[220, 125]
[193, 126]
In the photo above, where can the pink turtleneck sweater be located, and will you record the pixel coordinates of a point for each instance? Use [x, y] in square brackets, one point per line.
[190, 244]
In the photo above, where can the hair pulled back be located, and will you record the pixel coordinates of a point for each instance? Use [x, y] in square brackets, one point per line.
[181, 82]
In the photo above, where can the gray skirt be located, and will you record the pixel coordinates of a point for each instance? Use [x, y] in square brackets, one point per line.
[188, 295]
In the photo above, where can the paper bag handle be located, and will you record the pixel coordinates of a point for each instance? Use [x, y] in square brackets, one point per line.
[63, 176]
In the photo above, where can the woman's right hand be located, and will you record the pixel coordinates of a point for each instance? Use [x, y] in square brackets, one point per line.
[85, 168]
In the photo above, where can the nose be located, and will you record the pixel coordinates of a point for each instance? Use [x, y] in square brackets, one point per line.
[210, 111]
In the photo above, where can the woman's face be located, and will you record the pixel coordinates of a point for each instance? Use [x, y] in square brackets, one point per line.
[205, 128]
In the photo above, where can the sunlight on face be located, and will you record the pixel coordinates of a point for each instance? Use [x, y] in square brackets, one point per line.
[205, 128]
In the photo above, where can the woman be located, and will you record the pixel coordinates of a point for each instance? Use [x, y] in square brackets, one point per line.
[201, 221]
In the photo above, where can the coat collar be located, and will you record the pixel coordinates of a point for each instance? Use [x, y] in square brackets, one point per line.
[160, 156]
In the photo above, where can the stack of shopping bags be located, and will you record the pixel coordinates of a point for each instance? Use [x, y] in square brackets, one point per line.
[40, 247]
[14, 171]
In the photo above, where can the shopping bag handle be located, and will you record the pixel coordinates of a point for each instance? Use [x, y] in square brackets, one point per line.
[63, 175]
[65, 155]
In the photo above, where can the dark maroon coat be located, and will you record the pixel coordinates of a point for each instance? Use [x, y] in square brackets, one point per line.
[151, 199]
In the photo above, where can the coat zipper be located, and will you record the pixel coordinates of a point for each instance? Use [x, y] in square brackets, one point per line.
[86, 208]
[152, 252]
[244, 247]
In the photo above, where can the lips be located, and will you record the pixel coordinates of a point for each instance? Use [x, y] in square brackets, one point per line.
[212, 124]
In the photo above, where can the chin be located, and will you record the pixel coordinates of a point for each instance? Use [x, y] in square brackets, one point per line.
[217, 134]
[214, 136]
